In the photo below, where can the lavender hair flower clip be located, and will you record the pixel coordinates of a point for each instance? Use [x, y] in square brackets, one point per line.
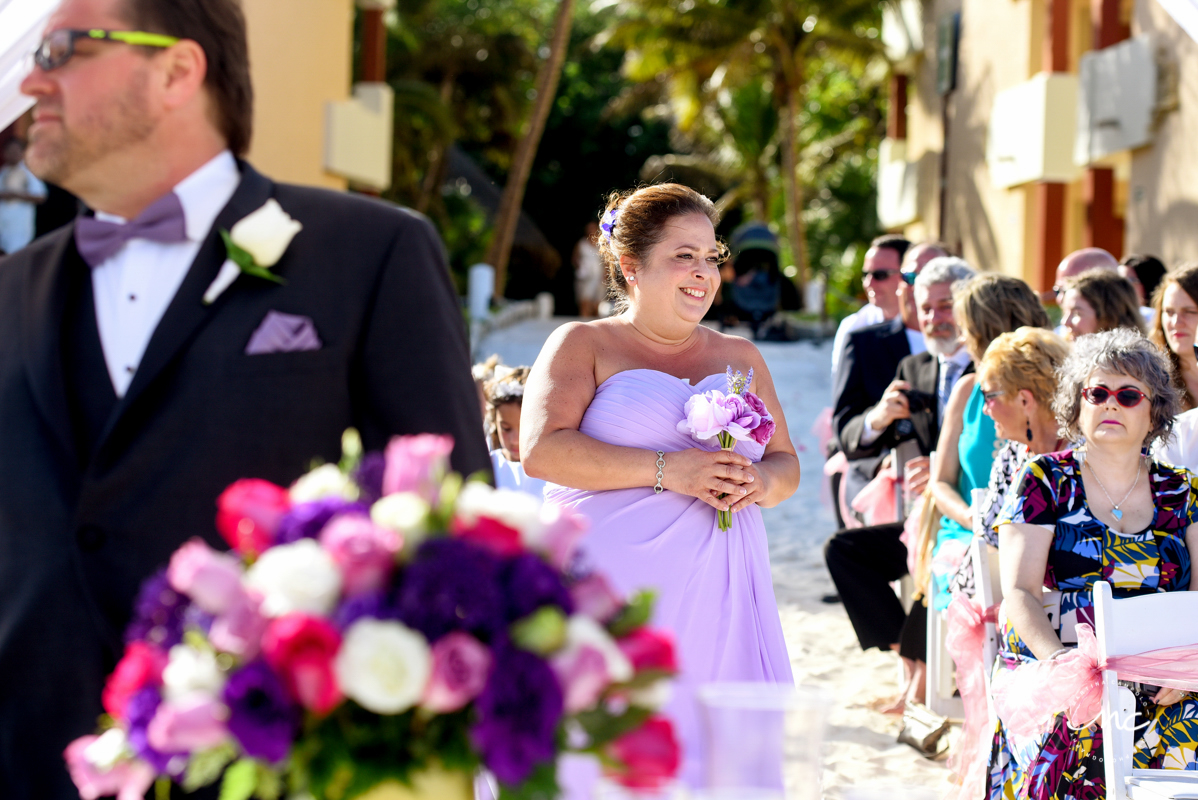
[608, 224]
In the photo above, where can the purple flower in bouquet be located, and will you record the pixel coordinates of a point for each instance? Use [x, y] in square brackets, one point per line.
[518, 714]
[530, 583]
[307, 520]
[368, 475]
[765, 429]
[139, 713]
[158, 613]
[376, 605]
[452, 585]
[262, 716]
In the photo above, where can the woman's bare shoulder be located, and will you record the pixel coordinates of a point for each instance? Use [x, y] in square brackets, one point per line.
[960, 394]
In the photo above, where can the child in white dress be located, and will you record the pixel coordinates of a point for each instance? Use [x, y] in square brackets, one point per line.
[505, 396]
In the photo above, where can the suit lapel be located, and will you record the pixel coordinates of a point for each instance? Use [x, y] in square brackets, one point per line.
[43, 306]
[187, 313]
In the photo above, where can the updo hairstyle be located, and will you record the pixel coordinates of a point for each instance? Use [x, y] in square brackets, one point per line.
[641, 216]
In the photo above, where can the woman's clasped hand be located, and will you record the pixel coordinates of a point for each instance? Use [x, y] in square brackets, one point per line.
[710, 475]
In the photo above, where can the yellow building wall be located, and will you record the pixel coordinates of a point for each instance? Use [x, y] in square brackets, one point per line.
[301, 55]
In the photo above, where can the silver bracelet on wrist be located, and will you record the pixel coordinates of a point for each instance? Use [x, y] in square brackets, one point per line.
[661, 465]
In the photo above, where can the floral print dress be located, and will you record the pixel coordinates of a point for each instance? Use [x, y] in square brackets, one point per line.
[1065, 763]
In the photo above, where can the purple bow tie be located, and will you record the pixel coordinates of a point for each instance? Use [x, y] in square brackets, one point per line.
[99, 241]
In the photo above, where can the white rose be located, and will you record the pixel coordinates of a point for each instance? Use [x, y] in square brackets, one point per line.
[517, 510]
[383, 665]
[324, 481]
[190, 670]
[406, 513]
[653, 697]
[295, 577]
[111, 748]
[582, 631]
[266, 233]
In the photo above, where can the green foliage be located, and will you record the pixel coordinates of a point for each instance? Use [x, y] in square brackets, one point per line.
[204, 768]
[353, 750]
[240, 781]
[602, 727]
[634, 615]
[541, 632]
[540, 785]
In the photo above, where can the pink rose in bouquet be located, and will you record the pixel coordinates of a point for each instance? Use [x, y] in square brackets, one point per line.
[650, 755]
[650, 650]
[128, 780]
[595, 597]
[363, 551]
[140, 666]
[211, 579]
[193, 723]
[301, 649]
[461, 664]
[249, 512]
[238, 630]
[417, 464]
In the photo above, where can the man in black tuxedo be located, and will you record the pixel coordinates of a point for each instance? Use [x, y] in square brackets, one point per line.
[863, 561]
[129, 402]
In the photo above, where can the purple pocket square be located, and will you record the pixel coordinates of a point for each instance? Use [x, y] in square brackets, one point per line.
[283, 333]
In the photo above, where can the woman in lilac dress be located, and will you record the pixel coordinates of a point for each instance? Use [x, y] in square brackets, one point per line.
[605, 398]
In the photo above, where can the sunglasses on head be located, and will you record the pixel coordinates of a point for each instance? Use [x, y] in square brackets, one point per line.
[59, 46]
[1126, 397]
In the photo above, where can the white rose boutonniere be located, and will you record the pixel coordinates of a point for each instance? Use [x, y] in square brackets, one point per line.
[254, 245]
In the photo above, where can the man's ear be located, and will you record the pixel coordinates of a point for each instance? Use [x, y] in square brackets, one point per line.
[184, 67]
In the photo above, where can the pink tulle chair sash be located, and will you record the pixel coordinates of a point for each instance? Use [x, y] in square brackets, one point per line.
[966, 621]
[1028, 697]
[876, 502]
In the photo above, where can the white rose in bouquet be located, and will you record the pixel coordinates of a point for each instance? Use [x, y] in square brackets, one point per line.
[326, 480]
[517, 510]
[383, 665]
[189, 670]
[299, 576]
[406, 513]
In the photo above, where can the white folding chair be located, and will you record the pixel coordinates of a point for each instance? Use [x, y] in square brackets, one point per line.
[941, 684]
[989, 593]
[1128, 627]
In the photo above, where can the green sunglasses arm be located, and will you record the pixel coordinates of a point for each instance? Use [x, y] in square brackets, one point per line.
[138, 38]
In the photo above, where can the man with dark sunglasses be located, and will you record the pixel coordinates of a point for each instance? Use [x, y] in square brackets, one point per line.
[880, 279]
[137, 386]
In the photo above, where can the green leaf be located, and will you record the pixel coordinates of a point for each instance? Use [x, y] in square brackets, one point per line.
[241, 780]
[351, 450]
[541, 632]
[634, 615]
[602, 727]
[540, 785]
[245, 261]
[270, 784]
[162, 788]
[205, 767]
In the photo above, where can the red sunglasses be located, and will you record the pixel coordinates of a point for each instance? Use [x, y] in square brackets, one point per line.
[1126, 397]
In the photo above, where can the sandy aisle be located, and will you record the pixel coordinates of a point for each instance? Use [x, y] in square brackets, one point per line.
[861, 747]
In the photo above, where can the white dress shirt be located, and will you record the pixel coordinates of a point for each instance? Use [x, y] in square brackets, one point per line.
[133, 288]
[1182, 449]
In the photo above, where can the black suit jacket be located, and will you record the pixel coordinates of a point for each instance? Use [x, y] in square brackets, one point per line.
[870, 361]
[76, 541]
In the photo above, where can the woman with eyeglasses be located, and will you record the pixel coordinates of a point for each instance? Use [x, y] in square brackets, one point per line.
[985, 307]
[1101, 512]
[1174, 322]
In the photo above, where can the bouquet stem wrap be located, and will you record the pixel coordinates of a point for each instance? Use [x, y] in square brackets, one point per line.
[724, 518]
[1028, 697]
[966, 635]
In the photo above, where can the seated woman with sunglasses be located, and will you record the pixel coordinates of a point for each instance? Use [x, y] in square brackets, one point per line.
[1104, 512]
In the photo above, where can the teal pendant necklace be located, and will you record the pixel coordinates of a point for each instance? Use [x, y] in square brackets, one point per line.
[1115, 506]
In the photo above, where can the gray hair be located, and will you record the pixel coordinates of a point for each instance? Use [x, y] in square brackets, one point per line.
[944, 269]
[1121, 351]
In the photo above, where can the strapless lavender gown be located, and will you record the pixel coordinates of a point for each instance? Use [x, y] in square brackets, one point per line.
[714, 589]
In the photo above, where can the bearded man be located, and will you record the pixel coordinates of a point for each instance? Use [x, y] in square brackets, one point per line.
[141, 372]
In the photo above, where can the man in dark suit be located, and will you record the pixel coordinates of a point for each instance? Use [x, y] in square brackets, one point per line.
[863, 561]
[129, 401]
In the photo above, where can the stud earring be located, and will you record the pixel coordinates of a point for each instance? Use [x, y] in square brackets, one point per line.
[631, 278]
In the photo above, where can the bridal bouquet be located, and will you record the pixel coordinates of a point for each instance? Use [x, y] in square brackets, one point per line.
[737, 415]
[380, 626]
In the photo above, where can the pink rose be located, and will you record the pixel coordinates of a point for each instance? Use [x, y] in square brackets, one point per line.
[583, 675]
[460, 667]
[128, 780]
[595, 597]
[194, 723]
[248, 514]
[650, 650]
[706, 417]
[301, 649]
[139, 667]
[563, 530]
[239, 628]
[764, 429]
[417, 464]
[489, 533]
[362, 551]
[649, 756]
[211, 579]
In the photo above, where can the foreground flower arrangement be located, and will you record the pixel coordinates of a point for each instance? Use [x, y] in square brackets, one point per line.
[380, 621]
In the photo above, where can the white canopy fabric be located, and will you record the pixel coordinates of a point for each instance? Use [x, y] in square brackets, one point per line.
[1185, 12]
[21, 26]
